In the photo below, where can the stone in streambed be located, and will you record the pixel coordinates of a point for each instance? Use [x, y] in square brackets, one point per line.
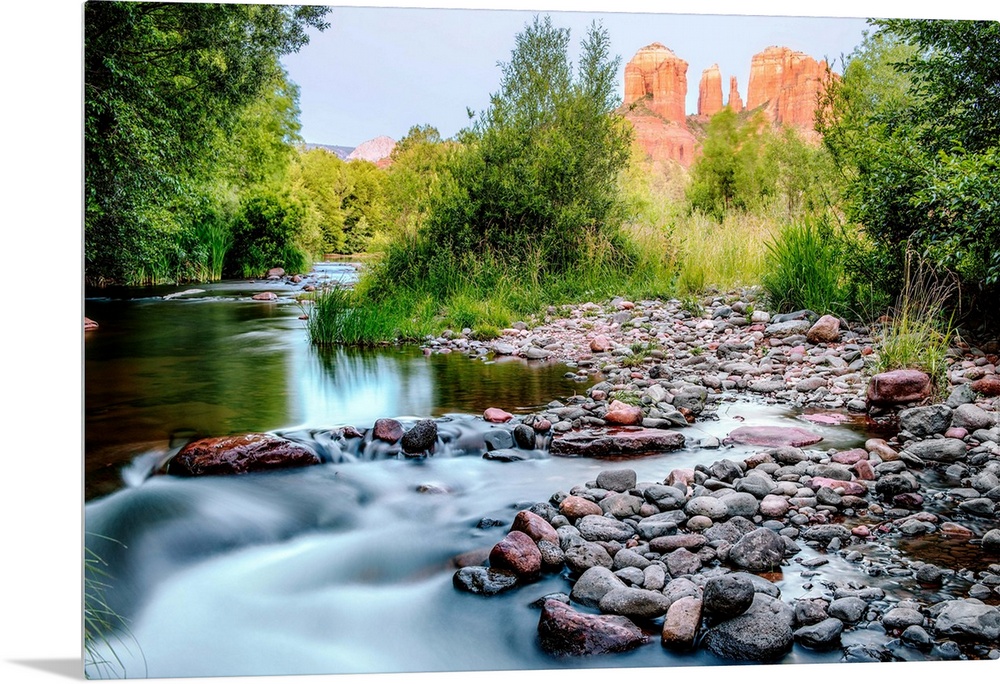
[773, 436]
[759, 551]
[574, 507]
[616, 480]
[762, 634]
[524, 436]
[496, 415]
[898, 387]
[421, 438]
[484, 581]
[564, 631]
[822, 635]
[518, 553]
[967, 619]
[646, 440]
[239, 454]
[640, 604]
[387, 430]
[593, 584]
[535, 526]
[620, 413]
[680, 626]
[727, 596]
[265, 297]
[600, 528]
[826, 329]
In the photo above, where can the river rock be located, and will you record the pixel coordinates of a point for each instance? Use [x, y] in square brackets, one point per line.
[848, 609]
[616, 480]
[593, 584]
[498, 439]
[582, 557]
[600, 528]
[707, 506]
[239, 454]
[420, 438]
[944, 449]
[265, 297]
[637, 441]
[682, 562]
[786, 328]
[496, 415]
[822, 635]
[773, 436]
[898, 387]
[762, 634]
[518, 553]
[620, 413]
[635, 603]
[621, 505]
[759, 551]
[387, 430]
[485, 581]
[574, 507]
[967, 619]
[991, 541]
[563, 631]
[924, 421]
[972, 418]
[680, 626]
[535, 526]
[988, 386]
[901, 617]
[524, 436]
[826, 329]
[727, 596]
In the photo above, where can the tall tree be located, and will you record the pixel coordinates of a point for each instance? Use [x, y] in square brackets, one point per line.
[162, 81]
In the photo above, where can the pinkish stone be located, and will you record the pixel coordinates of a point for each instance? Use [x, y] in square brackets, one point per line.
[880, 448]
[826, 329]
[850, 488]
[535, 526]
[774, 506]
[89, 324]
[849, 457]
[620, 413]
[600, 343]
[564, 631]
[826, 418]
[615, 443]
[898, 387]
[680, 626]
[518, 553]
[598, 395]
[265, 297]
[574, 507]
[495, 415]
[773, 436]
[863, 470]
[988, 386]
[543, 425]
[955, 530]
[861, 531]
[956, 432]
[387, 430]
[681, 478]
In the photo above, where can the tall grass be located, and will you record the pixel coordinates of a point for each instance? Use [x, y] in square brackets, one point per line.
[215, 240]
[919, 328]
[104, 631]
[805, 269]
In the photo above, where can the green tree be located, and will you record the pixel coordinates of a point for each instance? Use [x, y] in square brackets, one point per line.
[538, 176]
[162, 84]
[915, 123]
[265, 235]
[420, 164]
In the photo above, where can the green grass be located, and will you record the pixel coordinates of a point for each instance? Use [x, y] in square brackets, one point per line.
[805, 270]
[918, 330]
[105, 633]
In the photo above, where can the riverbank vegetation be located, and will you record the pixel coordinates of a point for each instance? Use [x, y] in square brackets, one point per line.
[544, 199]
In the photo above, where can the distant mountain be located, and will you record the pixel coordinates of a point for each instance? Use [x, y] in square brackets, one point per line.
[374, 150]
[341, 151]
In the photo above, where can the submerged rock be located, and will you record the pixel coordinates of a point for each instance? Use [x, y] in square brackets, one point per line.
[773, 436]
[645, 440]
[564, 631]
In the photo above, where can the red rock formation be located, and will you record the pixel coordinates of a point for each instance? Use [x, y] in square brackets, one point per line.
[663, 141]
[374, 150]
[710, 92]
[735, 102]
[787, 85]
[656, 73]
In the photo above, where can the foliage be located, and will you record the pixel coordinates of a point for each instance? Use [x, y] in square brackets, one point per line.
[805, 269]
[104, 631]
[264, 236]
[164, 85]
[745, 164]
[918, 330]
[540, 166]
[420, 165]
[915, 124]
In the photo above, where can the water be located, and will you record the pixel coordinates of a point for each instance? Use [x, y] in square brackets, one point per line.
[344, 567]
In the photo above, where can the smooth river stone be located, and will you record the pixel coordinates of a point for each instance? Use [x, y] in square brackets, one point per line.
[615, 443]
[773, 436]
[239, 454]
[564, 631]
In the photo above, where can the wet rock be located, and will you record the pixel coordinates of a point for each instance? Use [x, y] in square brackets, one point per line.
[691, 398]
[496, 415]
[680, 626]
[822, 635]
[966, 619]
[535, 526]
[421, 438]
[635, 603]
[727, 596]
[941, 449]
[587, 555]
[600, 528]
[276, 272]
[593, 584]
[265, 297]
[762, 634]
[620, 413]
[498, 439]
[387, 430]
[708, 506]
[988, 386]
[240, 454]
[524, 436]
[991, 541]
[759, 551]
[616, 480]
[849, 609]
[682, 562]
[972, 418]
[924, 421]
[484, 581]
[518, 553]
[900, 618]
[637, 441]
[506, 455]
[564, 631]
[773, 436]
[574, 507]
[552, 556]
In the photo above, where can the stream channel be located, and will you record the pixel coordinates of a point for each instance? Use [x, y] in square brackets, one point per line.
[344, 567]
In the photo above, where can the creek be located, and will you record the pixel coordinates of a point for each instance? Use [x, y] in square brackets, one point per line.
[343, 567]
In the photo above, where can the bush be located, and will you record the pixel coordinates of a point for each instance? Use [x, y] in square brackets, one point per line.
[264, 236]
[805, 269]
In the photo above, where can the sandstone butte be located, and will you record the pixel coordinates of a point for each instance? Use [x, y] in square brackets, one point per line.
[784, 85]
[376, 150]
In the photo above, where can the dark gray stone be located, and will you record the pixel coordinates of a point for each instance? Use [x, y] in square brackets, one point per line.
[727, 596]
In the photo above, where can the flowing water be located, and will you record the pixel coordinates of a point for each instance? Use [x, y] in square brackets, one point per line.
[344, 567]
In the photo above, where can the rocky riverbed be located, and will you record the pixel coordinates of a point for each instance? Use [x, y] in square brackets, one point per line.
[694, 559]
[688, 560]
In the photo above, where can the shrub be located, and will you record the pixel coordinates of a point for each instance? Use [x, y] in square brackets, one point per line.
[264, 236]
[805, 270]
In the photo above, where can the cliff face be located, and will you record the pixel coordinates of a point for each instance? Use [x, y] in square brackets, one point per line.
[375, 150]
[784, 83]
[656, 73]
[787, 85]
[710, 92]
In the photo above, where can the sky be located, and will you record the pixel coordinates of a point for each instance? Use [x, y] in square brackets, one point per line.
[379, 71]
